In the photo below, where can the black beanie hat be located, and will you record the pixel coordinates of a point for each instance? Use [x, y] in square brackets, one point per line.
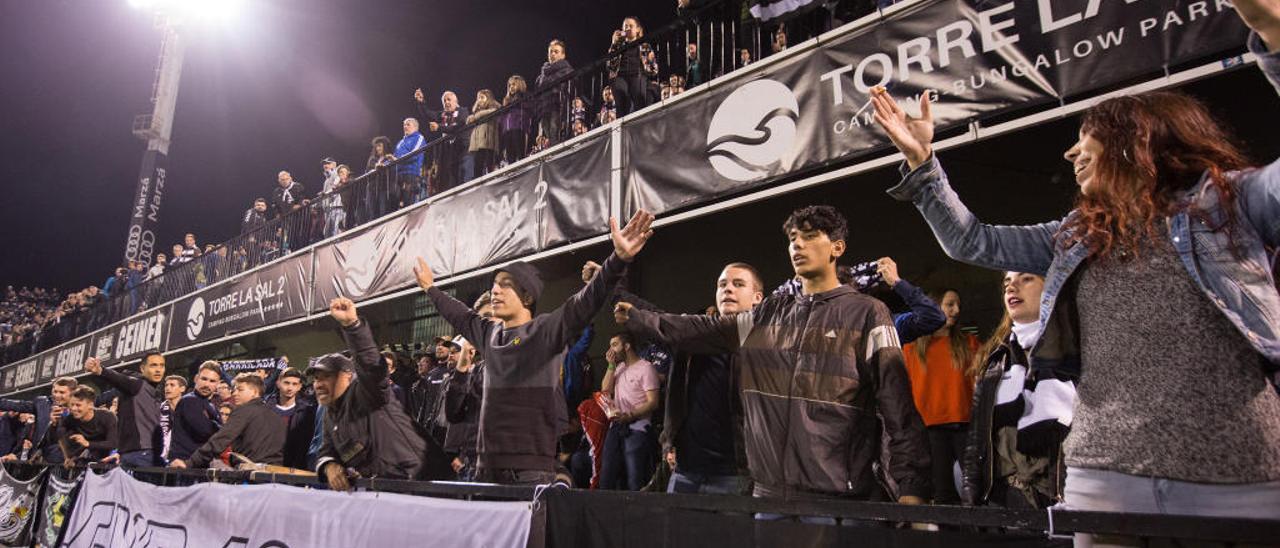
[528, 280]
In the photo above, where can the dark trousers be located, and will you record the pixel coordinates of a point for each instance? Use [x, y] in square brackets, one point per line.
[139, 459]
[946, 446]
[628, 457]
[631, 93]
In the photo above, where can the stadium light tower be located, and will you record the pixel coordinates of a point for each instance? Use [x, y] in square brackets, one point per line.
[156, 128]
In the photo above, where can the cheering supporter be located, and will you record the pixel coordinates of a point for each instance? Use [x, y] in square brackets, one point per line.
[484, 137]
[629, 68]
[289, 195]
[297, 414]
[703, 423]
[11, 432]
[174, 386]
[845, 348]
[608, 107]
[195, 418]
[551, 104]
[25, 429]
[631, 446]
[253, 430]
[693, 66]
[157, 269]
[222, 393]
[255, 217]
[86, 434]
[523, 410]
[426, 391]
[380, 153]
[453, 164]
[410, 187]
[47, 414]
[1153, 300]
[139, 408]
[335, 214]
[366, 431]
[463, 398]
[515, 122]
[996, 470]
[938, 365]
[392, 360]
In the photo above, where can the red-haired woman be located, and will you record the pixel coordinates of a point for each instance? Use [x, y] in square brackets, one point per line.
[1157, 298]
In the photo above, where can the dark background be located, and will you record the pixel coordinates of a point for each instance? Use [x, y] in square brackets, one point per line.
[279, 86]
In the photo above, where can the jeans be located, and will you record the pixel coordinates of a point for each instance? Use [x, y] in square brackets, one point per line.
[629, 457]
[139, 459]
[706, 484]
[1105, 491]
[335, 221]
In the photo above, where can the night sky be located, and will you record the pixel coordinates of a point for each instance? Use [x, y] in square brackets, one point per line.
[282, 85]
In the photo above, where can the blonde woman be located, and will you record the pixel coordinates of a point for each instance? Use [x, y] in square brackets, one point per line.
[484, 137]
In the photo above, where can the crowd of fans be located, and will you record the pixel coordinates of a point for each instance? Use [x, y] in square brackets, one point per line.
[440, 149]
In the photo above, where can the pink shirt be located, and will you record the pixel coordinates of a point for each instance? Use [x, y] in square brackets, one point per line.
[630, 382]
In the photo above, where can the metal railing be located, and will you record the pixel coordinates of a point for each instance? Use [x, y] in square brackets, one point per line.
[625, 517]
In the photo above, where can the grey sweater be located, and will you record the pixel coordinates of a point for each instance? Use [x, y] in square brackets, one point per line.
[523, 411]
[1169, 387]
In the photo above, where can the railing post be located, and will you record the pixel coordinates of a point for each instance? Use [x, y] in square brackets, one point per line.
[615, 172]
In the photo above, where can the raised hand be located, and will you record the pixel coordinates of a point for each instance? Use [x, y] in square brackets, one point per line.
[913, 135]
[423, 271]
[92, 366]
[1263, 16]
[343, 310]
[622, 312]
[888, 270]
[631, 239]
[589, 270]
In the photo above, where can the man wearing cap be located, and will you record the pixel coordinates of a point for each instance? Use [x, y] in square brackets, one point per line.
[427, 391]
[366, 431]
[523, 409]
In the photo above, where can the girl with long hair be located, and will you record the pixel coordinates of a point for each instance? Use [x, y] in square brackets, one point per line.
[1157, 298]
[937, 365]
[484, 137]
[1000, 467]
[515, 123]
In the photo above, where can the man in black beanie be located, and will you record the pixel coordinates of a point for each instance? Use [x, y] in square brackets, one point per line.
[523, 409]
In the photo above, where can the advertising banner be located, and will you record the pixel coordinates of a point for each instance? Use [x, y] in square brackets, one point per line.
[257, 299]
[976, 58]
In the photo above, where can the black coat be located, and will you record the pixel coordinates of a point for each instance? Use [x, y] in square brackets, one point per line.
[979, 461]
[366, 428]
[253, 430]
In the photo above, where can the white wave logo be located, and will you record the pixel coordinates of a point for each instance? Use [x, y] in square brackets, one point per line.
[361, 267]
[753, 128]
[195, 319]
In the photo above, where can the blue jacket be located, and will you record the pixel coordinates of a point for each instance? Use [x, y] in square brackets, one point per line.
[1242, 289]
[924, 318]
[408, 144]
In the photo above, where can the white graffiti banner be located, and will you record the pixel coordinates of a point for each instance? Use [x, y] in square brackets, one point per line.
[118, 511]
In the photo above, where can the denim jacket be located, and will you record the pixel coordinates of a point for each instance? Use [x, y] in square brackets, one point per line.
[1242, 288]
